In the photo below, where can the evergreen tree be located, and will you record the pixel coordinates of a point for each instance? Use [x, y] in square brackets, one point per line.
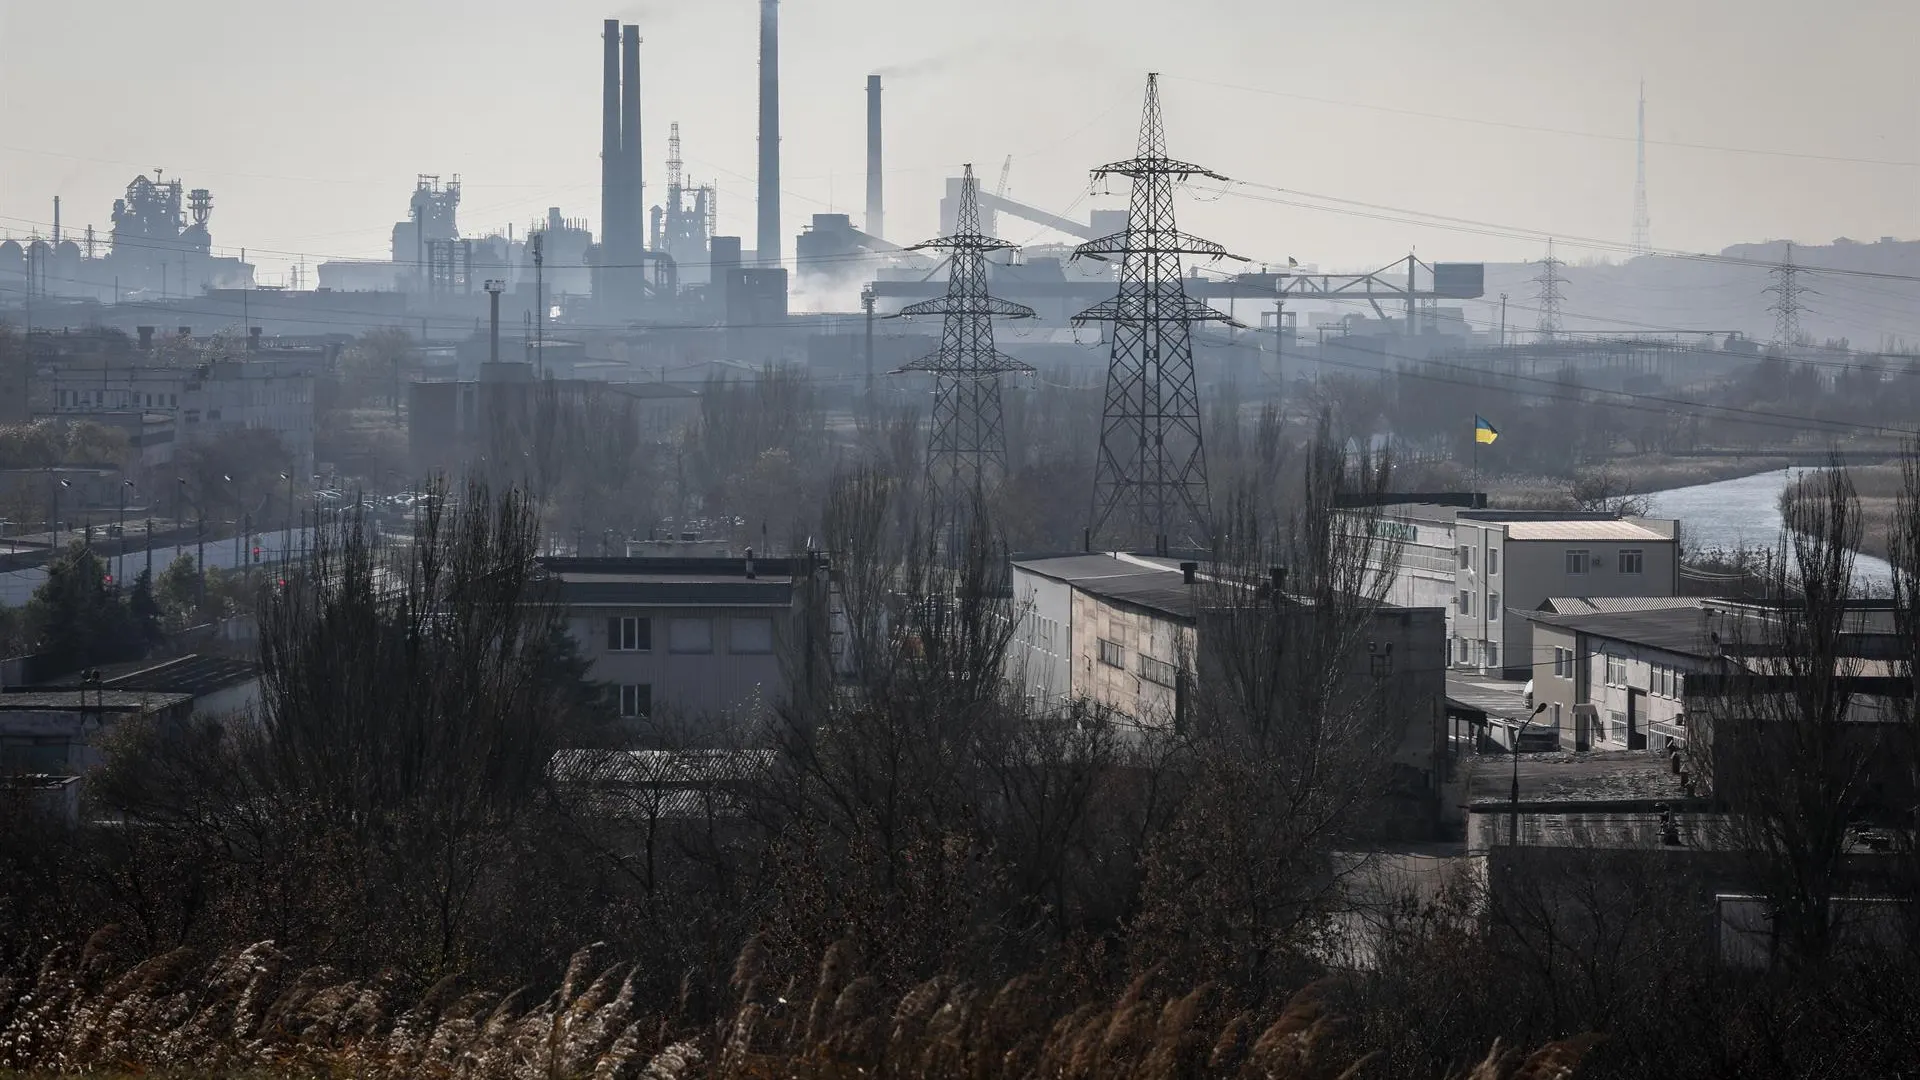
[145, 610]
[76, 619]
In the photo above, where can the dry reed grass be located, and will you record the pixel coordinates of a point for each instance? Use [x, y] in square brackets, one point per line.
[249, 1012]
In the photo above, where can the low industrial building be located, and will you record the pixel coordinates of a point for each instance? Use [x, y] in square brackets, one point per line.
[1142, 637]
[688, 643]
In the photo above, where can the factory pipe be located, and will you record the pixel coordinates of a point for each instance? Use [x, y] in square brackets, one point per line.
[875, 209]
[610, 143]
[633, 213]
[768, 251]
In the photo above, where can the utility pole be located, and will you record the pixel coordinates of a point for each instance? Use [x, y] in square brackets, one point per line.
[866, 304]
[1503, 320]
[539, 303]
[1548, 296]
[1150, 478]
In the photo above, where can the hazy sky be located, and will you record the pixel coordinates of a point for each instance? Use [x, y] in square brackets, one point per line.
[309, 121]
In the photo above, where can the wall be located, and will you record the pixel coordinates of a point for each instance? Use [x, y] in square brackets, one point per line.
[1536, 570]
[1610, 699]
[689, 685]
[1560, 693]
[1041, 656]
[1139, 632]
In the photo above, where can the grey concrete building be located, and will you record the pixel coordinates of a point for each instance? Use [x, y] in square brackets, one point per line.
[688, 642]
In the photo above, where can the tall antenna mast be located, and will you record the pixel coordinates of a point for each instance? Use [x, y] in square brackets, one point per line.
[1641, 244]
[1150, 480]
[1548, 295]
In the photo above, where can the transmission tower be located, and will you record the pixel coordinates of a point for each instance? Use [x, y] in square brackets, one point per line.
[967, 445]
[1150, 481]
[1641, 244]
[1786, 291]
[1548, 295]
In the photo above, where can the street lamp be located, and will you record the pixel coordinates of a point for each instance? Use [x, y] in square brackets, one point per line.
[287, 542]
[120, 574]
[1513, 832]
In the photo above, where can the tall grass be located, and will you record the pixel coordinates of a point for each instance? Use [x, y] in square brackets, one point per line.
[251, 1012]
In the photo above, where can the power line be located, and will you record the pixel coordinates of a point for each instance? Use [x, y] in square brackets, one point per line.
[1544, 130]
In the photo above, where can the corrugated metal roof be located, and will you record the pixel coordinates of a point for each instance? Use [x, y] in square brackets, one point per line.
[1597, 605]
[1580, 530]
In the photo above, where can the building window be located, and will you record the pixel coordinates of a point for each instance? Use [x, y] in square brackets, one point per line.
[1493, 654]
[1563, 662]
[1679, 685]
[1157, 671]
[1579, 560]
[1466, 557]
[750, 636]
[1493, 607]
[1111, 654]
[1556, 717]
[1493, 561]
[1616, 671]
[690, 636]
[629, 635]
[636, 701]
[1633, 561]
[1465, 601]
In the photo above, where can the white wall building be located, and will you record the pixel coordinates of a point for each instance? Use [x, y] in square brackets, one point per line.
[1482, 566]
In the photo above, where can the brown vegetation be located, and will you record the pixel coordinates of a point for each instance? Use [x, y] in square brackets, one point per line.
[254, 1011]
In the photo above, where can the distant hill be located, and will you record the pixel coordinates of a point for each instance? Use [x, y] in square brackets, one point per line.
[1659, 292]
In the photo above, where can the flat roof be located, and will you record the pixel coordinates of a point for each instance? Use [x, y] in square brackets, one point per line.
[110, 700]
[1683, 630]
[1672, 629]
[1598, 776]
[194, 674]
[1581, 530]
[1157, 586]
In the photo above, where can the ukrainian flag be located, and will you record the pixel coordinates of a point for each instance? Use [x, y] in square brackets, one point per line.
[1484, 432]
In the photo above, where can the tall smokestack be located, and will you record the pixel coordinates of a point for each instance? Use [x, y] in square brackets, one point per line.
[610, 143]
[876, 220]
[56, 221]
[633, 210]
[769, 239]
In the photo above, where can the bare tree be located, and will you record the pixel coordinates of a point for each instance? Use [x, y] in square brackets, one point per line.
[1779, 735]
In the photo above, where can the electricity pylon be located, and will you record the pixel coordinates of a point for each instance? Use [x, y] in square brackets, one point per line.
[967, 444]
[1150, 480]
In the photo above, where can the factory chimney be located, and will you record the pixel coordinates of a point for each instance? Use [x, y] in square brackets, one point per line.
[633, 212]
[768, 251]
[56, 221]
[610, 144]
[875, 209]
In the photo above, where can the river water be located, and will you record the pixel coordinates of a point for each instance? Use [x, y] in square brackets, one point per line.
[1746, 513]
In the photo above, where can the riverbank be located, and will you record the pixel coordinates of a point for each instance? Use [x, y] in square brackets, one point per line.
[1878, 489]
[1644, 475]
